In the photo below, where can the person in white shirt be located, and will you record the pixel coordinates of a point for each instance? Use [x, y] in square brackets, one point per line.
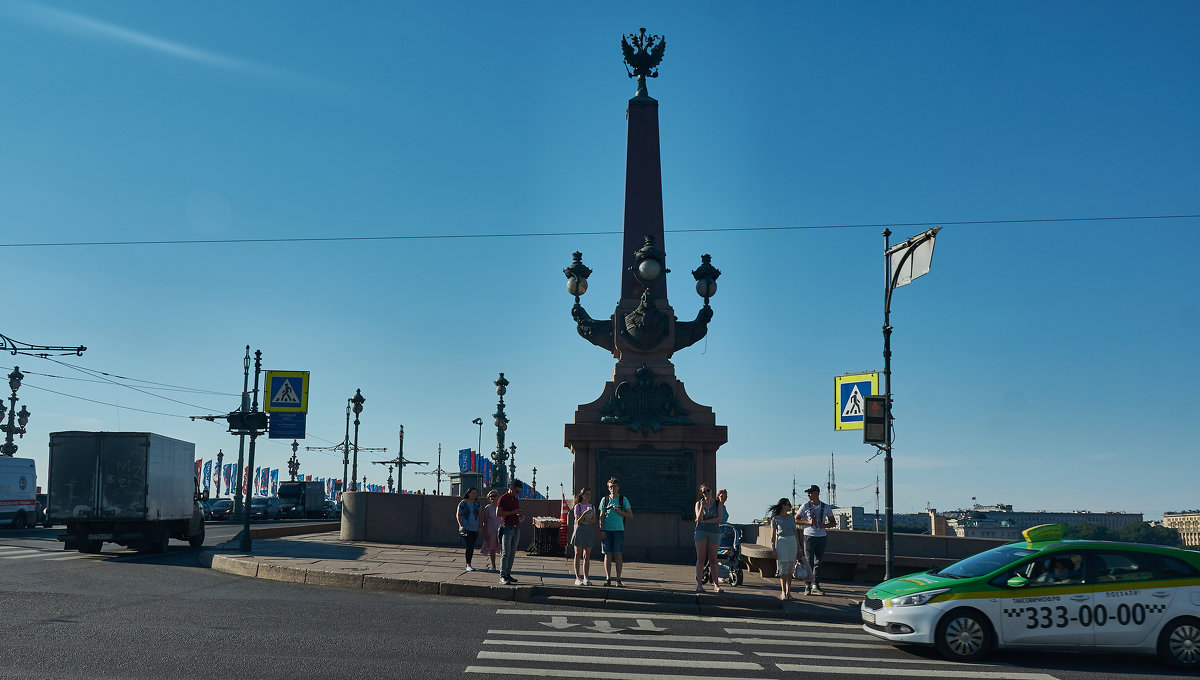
[815, 516]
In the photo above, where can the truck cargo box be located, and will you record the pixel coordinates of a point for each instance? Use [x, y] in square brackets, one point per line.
[120, 476]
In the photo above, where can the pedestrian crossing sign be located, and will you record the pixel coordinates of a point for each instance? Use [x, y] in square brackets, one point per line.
[286, 392]
[848, 393]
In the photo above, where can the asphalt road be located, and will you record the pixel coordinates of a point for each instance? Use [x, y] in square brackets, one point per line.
[124, 615]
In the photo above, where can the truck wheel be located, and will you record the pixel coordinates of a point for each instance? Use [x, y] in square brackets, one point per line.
[91, 547]
[197, 540]
[19, 522]
[159, 541]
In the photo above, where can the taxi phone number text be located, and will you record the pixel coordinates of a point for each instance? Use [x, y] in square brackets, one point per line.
[1056, 617]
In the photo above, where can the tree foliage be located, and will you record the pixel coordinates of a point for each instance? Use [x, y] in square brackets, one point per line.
[1138, 532]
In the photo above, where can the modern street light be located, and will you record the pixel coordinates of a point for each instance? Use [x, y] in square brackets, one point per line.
[294, 463]
[479, 422]
[17, 420]
[357, 400]
[501, 421]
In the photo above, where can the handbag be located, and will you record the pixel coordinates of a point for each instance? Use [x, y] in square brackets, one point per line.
[803, 570]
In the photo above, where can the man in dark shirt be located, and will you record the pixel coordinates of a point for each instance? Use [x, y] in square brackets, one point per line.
[509, 511]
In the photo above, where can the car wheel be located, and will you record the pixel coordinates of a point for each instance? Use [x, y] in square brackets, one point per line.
[19, 522]
[91, 547]
[1179, 643]
[963, 635]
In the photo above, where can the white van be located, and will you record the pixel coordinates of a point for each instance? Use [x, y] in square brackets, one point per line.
[18, 492]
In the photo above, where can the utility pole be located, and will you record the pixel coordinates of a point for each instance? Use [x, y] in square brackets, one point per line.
[439, 471]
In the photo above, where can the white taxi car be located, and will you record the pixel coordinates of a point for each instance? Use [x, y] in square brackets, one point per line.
[1048, 593]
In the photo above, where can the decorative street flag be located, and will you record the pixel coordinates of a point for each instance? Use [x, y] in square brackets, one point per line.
[274, 481]
[464, 460]
[207, 481]
[911, 259]
[199, 462]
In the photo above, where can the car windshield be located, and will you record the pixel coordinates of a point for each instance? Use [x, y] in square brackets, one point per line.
[222, 504]
[985, 562]
[258, 501]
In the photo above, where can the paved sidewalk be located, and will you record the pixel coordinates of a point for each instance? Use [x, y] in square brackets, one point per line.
[323, 559]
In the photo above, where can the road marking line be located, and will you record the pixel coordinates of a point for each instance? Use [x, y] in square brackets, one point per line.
[32, 553]
[915, 672]
[863, 658]
[591, 614]
[80, 556]
[637, 648]
[808, 640]
[839, 645]
[622, 661]
[657, 638]
[573, 673]
[808, 635]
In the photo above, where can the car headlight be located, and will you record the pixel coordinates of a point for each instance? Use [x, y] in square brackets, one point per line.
[915, 599]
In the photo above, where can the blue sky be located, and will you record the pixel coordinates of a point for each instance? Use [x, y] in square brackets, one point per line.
[1042, 364]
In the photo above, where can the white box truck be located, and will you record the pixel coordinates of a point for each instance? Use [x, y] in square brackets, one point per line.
[18, 492]
[137, 489]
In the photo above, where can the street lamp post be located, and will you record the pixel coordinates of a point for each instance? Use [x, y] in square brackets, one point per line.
[16, 419]
[357, 400]
[294, 463]
[391, 482]
[501, 421]
[254, 429]
[346, 453]
[512, 462]
[239, 476]
[479, 422]
[533, 481]
[220, 457]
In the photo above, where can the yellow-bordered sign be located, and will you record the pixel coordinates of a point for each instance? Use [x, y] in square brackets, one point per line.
[848, 393]
[286, 392]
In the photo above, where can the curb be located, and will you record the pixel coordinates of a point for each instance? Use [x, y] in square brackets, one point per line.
[706, 604]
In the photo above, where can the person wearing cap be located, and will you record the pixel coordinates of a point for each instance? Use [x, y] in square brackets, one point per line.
[815, 516]
[510, 515]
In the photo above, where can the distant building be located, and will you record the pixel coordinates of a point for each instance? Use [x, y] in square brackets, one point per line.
[855, 518]
[999, 521]
[1187, 522]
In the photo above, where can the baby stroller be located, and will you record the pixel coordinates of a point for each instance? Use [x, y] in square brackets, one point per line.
[729, 557]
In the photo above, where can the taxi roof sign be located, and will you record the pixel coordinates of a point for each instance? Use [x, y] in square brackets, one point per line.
[286, 392]
[1043, 532]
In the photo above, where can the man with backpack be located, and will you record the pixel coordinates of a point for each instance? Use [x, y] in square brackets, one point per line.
[614, 510]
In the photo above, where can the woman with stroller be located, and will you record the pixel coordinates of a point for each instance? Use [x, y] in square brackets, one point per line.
[783, 539]
[707, 536]
[584, 535]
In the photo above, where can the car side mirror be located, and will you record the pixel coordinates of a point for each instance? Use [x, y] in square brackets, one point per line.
[1017, 582]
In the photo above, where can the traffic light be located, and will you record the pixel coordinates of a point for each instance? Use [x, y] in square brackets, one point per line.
[875, 419]
[246, 423]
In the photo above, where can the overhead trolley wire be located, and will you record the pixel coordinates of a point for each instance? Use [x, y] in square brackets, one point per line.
[697, 230]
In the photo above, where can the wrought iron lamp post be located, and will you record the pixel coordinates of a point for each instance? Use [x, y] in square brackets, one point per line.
[357, 400]
[533, 481]
[512, 462]
[293, 462]
[17, 420]
[501, 421]
[220, 467]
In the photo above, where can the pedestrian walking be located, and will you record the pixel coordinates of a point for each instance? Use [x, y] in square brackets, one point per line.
[614, 510]
[468, 522]
[783, 539]
[510, 528]
[707, 536]
[815, 516]
[489, 526]
[584, 535]
[723, 496]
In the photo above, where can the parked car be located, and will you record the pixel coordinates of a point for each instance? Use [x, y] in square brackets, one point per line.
[218, 509]
[1048, 593]
[266, 508]
[332, 510]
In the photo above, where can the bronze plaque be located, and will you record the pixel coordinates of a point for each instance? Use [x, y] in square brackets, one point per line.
[652, 481]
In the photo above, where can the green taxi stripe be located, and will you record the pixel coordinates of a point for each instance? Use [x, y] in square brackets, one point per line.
[1068, 590]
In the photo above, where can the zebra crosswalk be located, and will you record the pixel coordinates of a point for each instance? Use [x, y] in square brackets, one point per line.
[643, 646]
[55, 554]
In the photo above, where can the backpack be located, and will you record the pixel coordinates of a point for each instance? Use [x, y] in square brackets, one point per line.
[620, 504]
